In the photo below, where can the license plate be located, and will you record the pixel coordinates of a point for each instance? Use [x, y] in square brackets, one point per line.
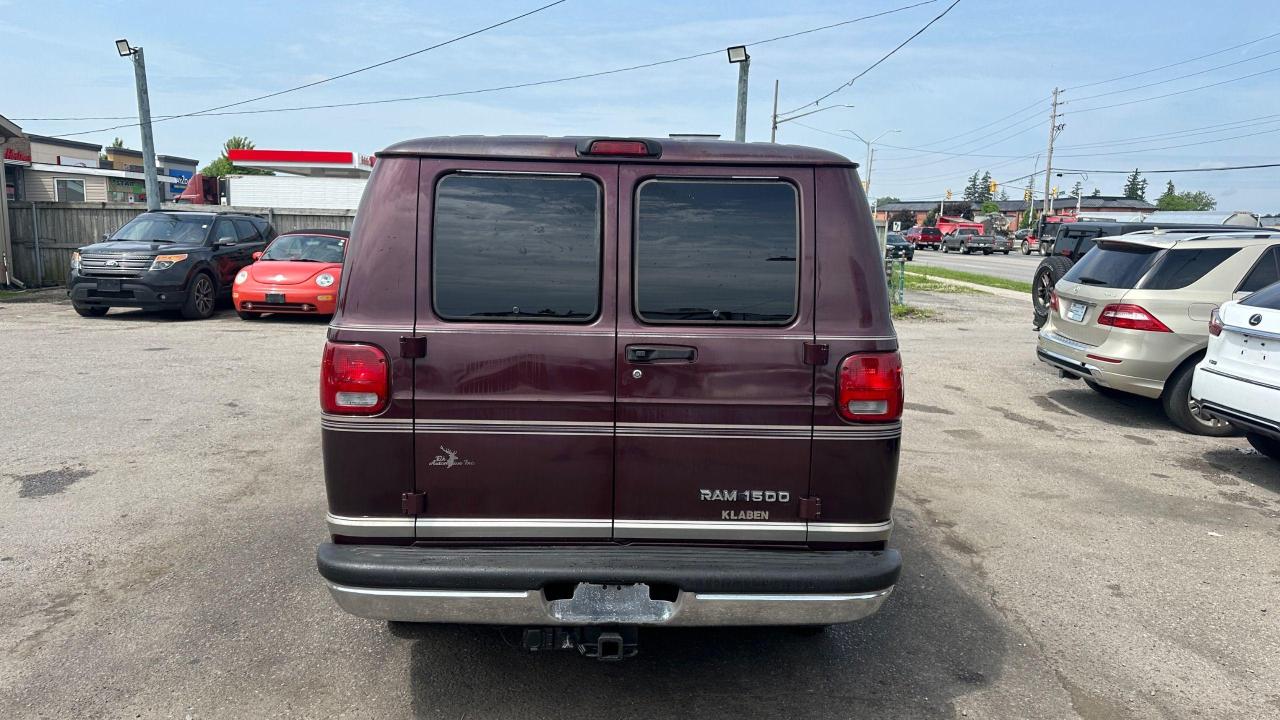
[109, 285]
[629, 604]
[276, 298]
[1075, 313]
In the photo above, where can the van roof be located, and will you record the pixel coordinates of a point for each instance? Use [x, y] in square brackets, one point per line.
[567, 149]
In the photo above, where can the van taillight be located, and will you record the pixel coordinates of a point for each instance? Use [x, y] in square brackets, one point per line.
[1215, 323]
[1130, 317]
[869, 387]
[353, 379]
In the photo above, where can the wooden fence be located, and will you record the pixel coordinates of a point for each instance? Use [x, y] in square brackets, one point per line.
[44, 234]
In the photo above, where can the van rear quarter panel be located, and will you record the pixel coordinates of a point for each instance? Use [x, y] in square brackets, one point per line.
[368, 462]
[855, 479]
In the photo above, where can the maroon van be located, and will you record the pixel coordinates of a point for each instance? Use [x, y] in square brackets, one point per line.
[582, 385]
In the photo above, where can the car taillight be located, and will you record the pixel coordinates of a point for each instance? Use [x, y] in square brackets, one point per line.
[1215, 323]
[1053, 301]
[869, 387]
[353, 379]
[1130, 317]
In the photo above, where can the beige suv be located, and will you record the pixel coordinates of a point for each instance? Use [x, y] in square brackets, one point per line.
[1133, 314]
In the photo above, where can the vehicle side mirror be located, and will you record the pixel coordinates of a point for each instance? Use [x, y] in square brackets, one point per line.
[106, 236]
[257, 256]
[225, 240]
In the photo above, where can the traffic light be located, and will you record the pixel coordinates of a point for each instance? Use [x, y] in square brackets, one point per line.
[992, 187]
[1026, 195]
[948, 194]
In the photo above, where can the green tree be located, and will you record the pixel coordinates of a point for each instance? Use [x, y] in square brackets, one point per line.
[931, 218]
[1077, 190]
[971, 188]
[223, 166]
[990, 208]
[1097, 192]
[882, 201]
[1135, 186]
[1174, 200]
[982, 193]
[1004, 196]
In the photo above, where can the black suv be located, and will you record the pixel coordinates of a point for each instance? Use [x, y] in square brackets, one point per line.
[172, 260]
[1072, 241]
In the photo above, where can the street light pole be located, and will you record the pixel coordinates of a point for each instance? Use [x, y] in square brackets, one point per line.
[866, 183]
[773, 130]
[738, 56]
[144, 122]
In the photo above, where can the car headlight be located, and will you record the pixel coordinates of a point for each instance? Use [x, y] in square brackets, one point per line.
[164, 262]
[75, 260]
[242, 276]
[324, 279]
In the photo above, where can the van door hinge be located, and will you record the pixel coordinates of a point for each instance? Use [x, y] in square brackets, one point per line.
[413, 503]
[816, 353]
[810, 508]
[413, 346]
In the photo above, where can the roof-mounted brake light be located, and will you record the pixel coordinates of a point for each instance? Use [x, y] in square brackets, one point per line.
[632, 148]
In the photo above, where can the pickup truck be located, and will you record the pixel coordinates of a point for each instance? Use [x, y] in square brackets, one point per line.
[968, 240]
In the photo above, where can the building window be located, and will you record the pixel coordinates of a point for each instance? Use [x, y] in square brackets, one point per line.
[68, 190]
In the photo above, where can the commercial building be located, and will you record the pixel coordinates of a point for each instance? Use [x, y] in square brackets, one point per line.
[914, 213]
[17, 155]
[129, 190]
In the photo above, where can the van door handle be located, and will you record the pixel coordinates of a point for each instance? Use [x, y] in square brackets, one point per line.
[655, 353]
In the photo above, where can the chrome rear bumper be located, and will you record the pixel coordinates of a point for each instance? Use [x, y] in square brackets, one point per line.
[529, 607]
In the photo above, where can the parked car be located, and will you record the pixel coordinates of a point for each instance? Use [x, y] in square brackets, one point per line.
[1239, 379]
[166, 260]
[534, 415]
[1132, 316]
[1076, 239]
[1001, 243]
[299, 272]
[968, 240]
[925, 237]
[896, 246]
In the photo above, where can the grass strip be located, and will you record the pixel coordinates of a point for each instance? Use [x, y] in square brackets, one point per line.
[975, 278]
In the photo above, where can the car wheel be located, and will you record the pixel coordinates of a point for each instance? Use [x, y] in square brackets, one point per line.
[1026, 249]
[986, 252]
[89, 310]
[1006, 252]
[248, 315]
[1185, 411]
[964, 250]
[201, 298]
[1265, 445]
[1047, 275]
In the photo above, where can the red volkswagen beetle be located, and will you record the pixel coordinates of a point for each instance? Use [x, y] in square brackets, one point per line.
[297, 273]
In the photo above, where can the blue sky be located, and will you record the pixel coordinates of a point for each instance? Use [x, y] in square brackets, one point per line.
[985, 60]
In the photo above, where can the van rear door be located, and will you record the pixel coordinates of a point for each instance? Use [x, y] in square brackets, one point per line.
[715, 311]
[514, 398]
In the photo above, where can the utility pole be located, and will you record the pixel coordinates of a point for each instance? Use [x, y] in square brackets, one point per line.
[1054, 128]
[773, 131]
[144, 122]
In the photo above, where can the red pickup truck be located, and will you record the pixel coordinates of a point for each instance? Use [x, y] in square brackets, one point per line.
[927, 237]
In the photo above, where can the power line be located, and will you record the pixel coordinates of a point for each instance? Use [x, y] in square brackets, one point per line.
[1174, 147]
[1179, 92]
[877, 63]
[993, 122]
[1173, 79]
[349, 73]
[516, 86]
[1176, 64]
[1176, 170]
[1203, 130]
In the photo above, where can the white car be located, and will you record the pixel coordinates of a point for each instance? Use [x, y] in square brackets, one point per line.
[1239, 379]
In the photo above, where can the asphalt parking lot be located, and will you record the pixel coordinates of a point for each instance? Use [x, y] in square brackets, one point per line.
[1066, 555]
[1014, 266]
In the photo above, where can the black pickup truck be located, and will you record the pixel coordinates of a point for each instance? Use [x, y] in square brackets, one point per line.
[168, 260]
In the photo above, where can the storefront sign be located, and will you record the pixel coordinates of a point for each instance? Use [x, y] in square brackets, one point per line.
[17, 151]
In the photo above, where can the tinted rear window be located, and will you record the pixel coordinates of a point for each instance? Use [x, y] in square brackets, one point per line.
[1268, 297]
[1113, 265]
[1265, 272]
[716, 252]
[1179, 268]
[516, 248]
